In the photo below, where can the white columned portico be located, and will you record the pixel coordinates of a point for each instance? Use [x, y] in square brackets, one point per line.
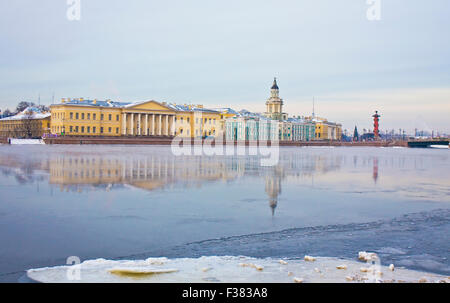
[132, 124]
[124, 124]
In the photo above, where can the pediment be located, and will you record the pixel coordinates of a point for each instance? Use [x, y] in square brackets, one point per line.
[149, 105]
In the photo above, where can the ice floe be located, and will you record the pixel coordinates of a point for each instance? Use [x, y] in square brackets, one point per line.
[228, 269]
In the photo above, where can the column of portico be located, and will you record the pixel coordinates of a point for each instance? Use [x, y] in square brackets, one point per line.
[132, 124]
[124, 123]
[167, 125]
[172, 131]
[153, 124]
[139, 125]
[146, 124]
[160, 125]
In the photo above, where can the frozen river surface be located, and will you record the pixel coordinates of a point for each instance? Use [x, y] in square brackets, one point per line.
[135, 202]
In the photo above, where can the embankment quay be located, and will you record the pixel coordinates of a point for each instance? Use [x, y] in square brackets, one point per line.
[167, 140]
[157, 140]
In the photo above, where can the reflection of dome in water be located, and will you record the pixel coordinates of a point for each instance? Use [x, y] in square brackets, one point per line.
[273, 189]
[273, 205]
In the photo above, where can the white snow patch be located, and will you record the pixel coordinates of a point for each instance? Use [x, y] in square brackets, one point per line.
[27, 141]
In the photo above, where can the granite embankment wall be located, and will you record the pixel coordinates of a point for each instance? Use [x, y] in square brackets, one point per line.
[168, 141]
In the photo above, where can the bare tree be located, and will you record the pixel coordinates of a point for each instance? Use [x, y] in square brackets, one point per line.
[29, 123]
[23, 105]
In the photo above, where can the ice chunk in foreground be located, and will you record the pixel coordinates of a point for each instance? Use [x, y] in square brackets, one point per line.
[224, 269]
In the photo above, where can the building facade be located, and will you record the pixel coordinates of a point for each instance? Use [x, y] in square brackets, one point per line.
[31, 123]
[81, 117]
[326, 130]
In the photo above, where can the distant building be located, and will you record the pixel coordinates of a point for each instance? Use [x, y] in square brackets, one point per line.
[326, 130]
[30, 123]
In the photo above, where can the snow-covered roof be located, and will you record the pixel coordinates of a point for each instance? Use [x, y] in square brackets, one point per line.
[36, 114]
[85, 102]
[226, 110]
[109, 103]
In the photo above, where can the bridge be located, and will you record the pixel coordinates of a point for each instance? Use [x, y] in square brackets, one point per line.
[427, 143]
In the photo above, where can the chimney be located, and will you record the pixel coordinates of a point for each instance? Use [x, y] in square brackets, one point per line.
[81, 99]
[95, 101]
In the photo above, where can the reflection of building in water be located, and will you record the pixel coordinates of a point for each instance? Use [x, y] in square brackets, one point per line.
[107, 170]
[147, 173]
[375, 169]
[75, 172]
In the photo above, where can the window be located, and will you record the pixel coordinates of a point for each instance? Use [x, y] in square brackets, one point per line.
[109, 130]
[89, 116]
[94, 116]
[109, 117]
[71, 128]
[101, 130]
[76, 129]
[76, 116]
[206, 120]
[93, 129]
[88, 129]
[181, 119]
[188, 120]
[82, 116]
[101, 116]
[82, 129]
[117, 117]
[117, 130]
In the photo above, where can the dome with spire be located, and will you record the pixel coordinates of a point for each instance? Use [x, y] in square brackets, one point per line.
[274, 85]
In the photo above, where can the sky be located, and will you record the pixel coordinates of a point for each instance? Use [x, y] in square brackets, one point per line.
[226, 53]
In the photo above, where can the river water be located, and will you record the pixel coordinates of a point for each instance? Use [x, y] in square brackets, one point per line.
[134, 202]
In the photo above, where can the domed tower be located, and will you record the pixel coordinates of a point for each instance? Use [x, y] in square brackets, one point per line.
[274, 105]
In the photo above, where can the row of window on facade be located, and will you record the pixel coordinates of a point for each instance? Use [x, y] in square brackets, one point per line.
[82, 129]
[199, 132]
[83, 115]
[198, 120]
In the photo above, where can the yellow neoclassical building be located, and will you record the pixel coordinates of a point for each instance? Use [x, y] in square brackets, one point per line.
[147, 118]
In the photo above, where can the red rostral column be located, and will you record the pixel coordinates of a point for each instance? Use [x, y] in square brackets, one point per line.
[376, 131]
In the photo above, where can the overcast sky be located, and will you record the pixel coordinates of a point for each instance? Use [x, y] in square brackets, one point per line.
[226, 53]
